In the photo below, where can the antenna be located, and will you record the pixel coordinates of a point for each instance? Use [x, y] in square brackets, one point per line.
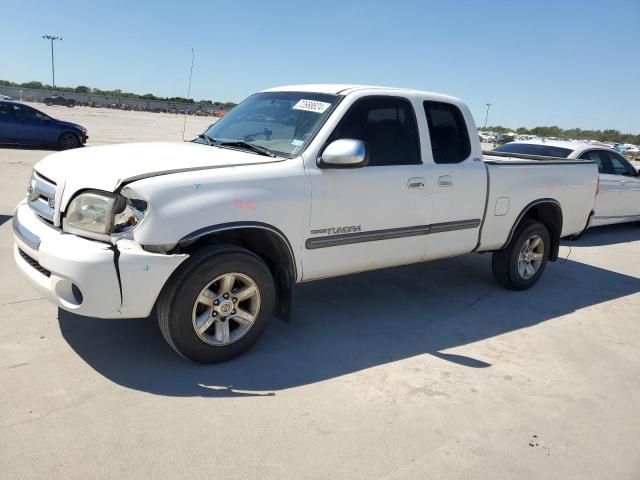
[184, 125]
[487, 115]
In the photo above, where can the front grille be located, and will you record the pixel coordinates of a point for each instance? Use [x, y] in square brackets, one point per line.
[34, 263]
[42, 196]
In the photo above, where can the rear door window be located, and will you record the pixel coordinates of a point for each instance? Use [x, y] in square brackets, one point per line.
[604, 166]
[620, 165]
[28, 114]
[448, 132]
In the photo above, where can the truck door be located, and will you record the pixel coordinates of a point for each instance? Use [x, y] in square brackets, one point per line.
[456, 180]
[373, 216]
[629, 201]
[609, 190]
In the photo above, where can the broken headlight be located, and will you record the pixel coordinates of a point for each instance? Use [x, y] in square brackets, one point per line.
[99, 214]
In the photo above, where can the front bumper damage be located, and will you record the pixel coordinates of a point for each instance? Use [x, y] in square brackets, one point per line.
[88, 277]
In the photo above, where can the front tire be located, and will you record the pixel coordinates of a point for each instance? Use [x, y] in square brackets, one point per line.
[520, 265]
[217, 304]
[68, 140]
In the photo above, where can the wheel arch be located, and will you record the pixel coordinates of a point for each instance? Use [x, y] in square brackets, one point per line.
[548, 212]
[264, 240]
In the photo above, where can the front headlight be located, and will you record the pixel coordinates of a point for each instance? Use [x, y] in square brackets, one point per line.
[97, 215]
[90, 212]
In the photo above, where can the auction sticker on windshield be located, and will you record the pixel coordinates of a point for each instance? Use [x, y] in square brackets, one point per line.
[311, 106]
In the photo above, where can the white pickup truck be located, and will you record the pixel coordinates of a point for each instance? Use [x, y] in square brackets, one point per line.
[295, 184]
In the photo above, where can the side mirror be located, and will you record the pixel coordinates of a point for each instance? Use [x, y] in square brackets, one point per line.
[344, 153]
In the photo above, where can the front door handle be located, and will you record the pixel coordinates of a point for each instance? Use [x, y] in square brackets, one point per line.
[445, 181]
[415, 182]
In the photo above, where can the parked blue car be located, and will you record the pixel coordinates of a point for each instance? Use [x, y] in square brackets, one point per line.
[23, 125]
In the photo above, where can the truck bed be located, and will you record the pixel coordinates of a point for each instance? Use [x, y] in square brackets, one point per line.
[515, 179]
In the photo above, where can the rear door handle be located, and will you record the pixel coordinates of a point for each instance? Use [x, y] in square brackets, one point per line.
[445, 181]
[415, 182]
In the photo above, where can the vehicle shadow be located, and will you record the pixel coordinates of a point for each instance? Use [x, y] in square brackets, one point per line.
[44, 148]
[606, 235]
[348, 324]
[5, 218]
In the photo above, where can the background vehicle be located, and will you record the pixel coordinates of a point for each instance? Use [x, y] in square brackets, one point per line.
[5, 97]
[503, 138]
[217, 232]
[58, 100]
[618, 198]
[23, 125]
[486, 137]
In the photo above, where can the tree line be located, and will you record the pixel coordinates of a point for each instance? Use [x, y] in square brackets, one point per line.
[113, 93]
[609, 135]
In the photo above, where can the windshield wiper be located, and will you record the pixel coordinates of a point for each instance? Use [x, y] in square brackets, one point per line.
[207, 138]
[247, 146]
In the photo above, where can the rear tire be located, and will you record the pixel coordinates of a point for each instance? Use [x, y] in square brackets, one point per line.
[68, 140]
[207, 332]
[520, 265]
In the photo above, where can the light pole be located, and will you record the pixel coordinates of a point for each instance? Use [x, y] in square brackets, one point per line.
[486, 117]
[53, 71]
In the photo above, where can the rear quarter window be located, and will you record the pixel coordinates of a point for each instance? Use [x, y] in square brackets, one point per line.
[448, 132]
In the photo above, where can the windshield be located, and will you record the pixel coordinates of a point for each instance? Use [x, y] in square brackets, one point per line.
[535, 149]
[282, 122]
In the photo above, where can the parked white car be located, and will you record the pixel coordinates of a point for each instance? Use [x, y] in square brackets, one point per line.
[215, 233]
[618, 198]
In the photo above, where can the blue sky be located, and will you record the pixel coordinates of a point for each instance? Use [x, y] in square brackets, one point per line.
[564, 62]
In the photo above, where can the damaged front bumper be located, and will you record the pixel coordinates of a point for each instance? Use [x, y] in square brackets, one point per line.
[88, 277]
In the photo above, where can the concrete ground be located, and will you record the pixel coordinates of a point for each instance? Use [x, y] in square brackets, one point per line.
[467, 380]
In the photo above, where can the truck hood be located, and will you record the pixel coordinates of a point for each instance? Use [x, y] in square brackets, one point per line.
[107, 167]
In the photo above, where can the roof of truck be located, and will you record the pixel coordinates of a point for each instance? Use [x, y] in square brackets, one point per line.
[344, 89]
[332, 88]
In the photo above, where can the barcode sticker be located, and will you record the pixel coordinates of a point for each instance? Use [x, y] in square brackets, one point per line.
[311, 106]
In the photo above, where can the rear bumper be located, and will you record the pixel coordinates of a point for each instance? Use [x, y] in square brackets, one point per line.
[87, 277]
